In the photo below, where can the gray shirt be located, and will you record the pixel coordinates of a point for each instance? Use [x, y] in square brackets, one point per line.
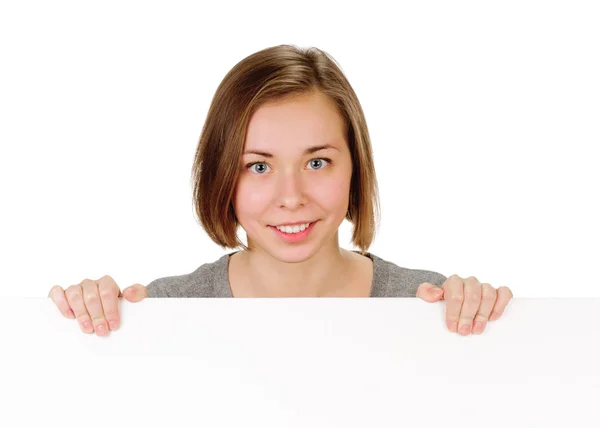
[212, 280]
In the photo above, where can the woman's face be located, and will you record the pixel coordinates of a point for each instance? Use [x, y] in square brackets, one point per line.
[290, 183]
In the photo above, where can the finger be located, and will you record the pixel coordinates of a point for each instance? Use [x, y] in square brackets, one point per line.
[75, 298]
[471, 302]
[429, 292]
[453, 295]
[91, 297]
[57, 294]
[135, 293]
[109, 298]
[488, 299]
[504, 297]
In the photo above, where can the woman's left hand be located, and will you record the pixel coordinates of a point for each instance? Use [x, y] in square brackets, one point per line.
[469, 304]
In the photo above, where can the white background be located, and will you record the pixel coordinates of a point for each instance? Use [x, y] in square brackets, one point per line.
[484, 118]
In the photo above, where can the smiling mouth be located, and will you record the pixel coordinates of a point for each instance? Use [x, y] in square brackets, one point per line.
[290, 231]
[295, 235]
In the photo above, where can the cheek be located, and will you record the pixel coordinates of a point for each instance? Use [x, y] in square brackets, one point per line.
[333, 194]
[250, 198]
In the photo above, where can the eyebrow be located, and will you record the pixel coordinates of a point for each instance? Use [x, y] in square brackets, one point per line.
[308, 151]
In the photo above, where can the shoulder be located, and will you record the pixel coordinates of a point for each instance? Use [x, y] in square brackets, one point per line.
[391, 280]
[208, 280]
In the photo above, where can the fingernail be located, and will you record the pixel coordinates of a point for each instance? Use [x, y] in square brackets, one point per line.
[100, 329]
[113, 325]
[465, 329]
[478, 327]
[86, 325]
[70, 314]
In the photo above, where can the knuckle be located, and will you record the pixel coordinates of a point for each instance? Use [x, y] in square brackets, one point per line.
[106, 293]
[481, 317]
[507, 290]
[472, 296]
[472, 279]
[457, 297]
[91, 298]
[73, 294]
[98, 321]
[71, 288]
[111, 315]
[55, 289]
[112, 320]
[488, 292]
[108, 286]
[54, 295]
[489, 297]
[83, 319]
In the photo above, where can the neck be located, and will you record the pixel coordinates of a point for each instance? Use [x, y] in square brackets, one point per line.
[318, 276]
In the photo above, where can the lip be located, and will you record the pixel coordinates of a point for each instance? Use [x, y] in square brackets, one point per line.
[298, 223]
[294, 237]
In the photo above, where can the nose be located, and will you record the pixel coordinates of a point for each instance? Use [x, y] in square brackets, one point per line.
[290, 190]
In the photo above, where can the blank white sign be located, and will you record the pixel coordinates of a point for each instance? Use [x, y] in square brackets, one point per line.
[301, 363]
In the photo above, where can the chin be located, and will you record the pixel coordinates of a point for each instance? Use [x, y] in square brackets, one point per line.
[297, 257]
[290, 254]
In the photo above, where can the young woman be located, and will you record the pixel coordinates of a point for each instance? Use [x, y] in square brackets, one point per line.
[285, 153]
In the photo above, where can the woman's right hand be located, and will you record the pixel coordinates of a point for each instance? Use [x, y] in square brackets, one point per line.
[95, 304]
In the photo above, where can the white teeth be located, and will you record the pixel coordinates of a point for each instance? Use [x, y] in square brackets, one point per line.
[293, 229]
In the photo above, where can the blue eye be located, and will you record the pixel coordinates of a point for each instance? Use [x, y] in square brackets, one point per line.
[257, 163]
[316, 162]
[319, 161]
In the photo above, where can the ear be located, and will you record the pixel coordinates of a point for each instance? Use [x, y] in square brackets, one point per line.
[430, 292]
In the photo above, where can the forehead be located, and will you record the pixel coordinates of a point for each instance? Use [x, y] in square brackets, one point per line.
[304, 119]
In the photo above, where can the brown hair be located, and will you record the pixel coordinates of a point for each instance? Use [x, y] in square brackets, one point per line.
[274, 74]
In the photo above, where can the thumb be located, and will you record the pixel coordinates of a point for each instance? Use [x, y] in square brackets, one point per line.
[430, 292]
[135, 293]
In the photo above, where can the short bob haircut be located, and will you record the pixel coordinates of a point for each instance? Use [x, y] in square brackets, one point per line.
[275, 74]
